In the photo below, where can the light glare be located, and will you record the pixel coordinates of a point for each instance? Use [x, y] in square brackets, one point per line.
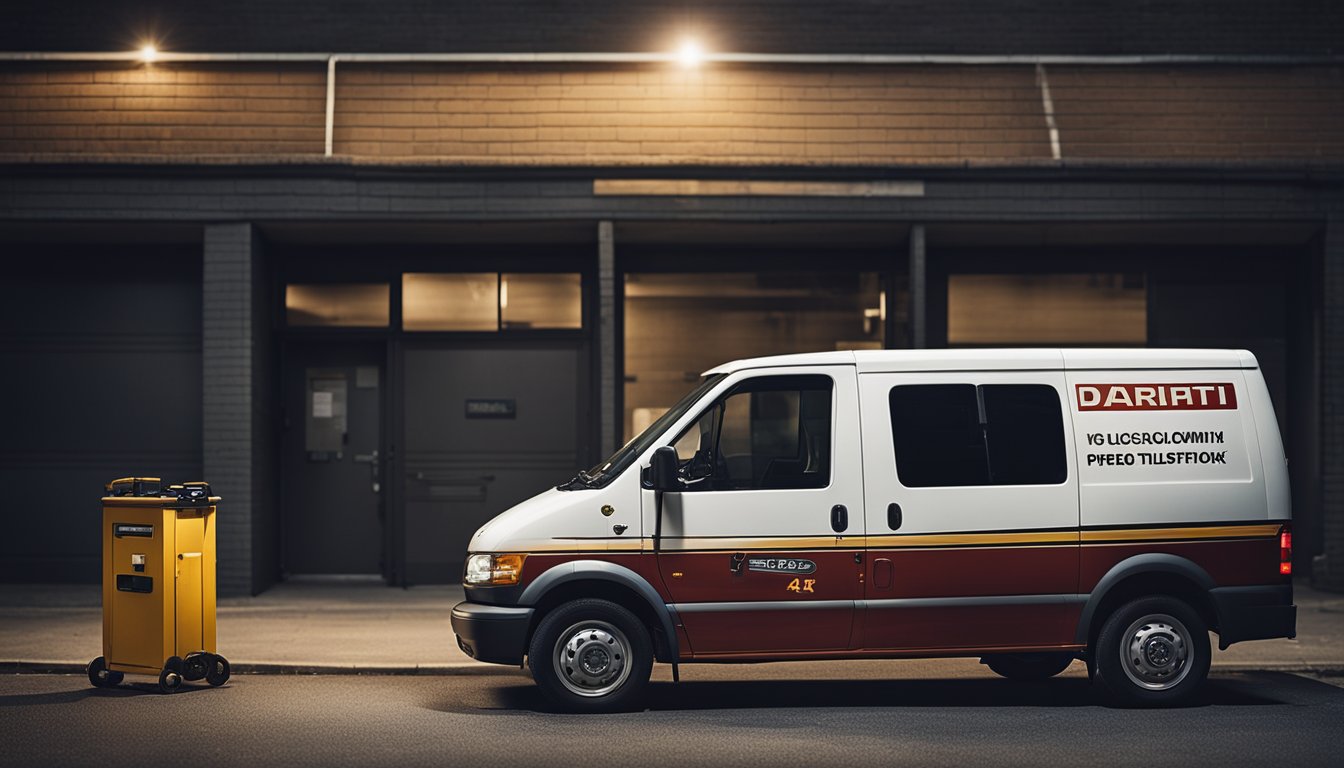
[690, 54]
[148, 53]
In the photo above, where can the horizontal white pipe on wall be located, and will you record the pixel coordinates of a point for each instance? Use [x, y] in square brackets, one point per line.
[673, 58]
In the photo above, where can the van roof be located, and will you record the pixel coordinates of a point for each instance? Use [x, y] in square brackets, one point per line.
[913, 360]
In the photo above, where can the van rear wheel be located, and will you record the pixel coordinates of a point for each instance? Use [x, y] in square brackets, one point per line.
[1025, 667]
[591, 656]
[1153, 652]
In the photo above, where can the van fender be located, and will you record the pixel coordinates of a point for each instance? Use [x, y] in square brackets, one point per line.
[1151, 562]
[586, 570]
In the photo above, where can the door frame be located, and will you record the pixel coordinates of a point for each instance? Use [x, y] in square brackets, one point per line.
[385, 262]
[317, 338]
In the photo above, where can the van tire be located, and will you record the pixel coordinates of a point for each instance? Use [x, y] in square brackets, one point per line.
[1028, 667]
[1166, 653]
[609, 651]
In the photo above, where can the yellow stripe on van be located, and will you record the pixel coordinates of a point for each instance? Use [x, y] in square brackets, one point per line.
[915, 540]
[1027, 538]
[699, 543]
[1168, 534]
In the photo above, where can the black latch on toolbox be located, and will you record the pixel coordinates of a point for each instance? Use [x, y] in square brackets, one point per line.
[191, 494]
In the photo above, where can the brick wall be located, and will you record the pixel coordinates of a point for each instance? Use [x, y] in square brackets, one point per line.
[1328, 570]
[162, 110]
[630, 115]
[1198, 113]
[843, 116]
[237, 454]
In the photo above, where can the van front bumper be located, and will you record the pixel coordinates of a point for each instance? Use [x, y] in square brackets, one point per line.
[492, 633]
[1254, 613]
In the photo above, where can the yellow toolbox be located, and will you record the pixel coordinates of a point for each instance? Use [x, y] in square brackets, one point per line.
[158, 585]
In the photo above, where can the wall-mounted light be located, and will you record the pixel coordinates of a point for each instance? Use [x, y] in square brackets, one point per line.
[148, 53]
[690, 54]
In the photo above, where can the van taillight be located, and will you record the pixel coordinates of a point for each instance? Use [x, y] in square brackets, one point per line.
[1286, 551]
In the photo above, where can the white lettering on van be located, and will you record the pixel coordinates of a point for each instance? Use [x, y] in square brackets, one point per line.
[1118, 396]
[1088, 397]
[1145, 396]
[1203, 390]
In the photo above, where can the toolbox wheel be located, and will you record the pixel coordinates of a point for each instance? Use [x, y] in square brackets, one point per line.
[101, 676]
[170, 679]
[196, 665]
[218, 672]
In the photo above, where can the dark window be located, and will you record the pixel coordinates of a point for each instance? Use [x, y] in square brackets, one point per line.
[767, 433]
[961, 434]
[1025, 434]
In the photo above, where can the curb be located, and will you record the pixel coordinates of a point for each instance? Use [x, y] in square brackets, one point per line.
[1330, 669]
[443, 670]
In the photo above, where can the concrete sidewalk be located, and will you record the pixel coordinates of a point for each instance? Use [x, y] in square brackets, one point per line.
[296, 626]
[360, 627]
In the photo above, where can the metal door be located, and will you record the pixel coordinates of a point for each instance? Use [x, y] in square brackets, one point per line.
[484, 429]
[332, 489]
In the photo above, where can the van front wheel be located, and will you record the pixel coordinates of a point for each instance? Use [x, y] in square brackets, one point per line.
[1153, 652]
[591, 656]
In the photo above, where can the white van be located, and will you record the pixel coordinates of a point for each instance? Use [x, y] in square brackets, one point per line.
[1028, 507]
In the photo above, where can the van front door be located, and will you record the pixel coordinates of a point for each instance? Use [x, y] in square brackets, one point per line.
[762, 552]
[972, 499]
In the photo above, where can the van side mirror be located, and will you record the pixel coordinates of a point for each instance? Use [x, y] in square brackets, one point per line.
[663, 470]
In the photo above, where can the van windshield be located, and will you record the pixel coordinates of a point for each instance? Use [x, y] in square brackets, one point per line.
[609, 469]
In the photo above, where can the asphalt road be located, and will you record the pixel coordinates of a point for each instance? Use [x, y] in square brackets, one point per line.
[928, 713]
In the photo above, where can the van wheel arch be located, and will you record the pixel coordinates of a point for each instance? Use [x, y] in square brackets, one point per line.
[1140, 576]
[605, 581]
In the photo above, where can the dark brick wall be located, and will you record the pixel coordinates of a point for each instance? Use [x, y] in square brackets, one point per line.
[237, 380]
[1328, 570]
[857, 26]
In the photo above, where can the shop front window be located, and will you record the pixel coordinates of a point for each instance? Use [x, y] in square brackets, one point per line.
[680, 325]
[1104, 309]
[337, 305]
[491, 301]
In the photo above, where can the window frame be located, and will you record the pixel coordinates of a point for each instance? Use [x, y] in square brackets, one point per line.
[778, 383]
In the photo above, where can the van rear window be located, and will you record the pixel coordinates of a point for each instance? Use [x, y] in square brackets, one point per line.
[963, 434]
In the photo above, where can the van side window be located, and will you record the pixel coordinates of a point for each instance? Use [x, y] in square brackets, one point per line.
[993, 434]
[767, 433]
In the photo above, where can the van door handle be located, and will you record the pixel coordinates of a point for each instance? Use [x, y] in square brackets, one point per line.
[882, 571]
[839, 518]
[894, 516]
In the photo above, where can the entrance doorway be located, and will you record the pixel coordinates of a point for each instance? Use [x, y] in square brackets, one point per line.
[332, 459]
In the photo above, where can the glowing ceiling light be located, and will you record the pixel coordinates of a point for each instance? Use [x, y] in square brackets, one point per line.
[690, 54]
[148, 53]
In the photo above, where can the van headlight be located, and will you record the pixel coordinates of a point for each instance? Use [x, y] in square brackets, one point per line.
[496, 570]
